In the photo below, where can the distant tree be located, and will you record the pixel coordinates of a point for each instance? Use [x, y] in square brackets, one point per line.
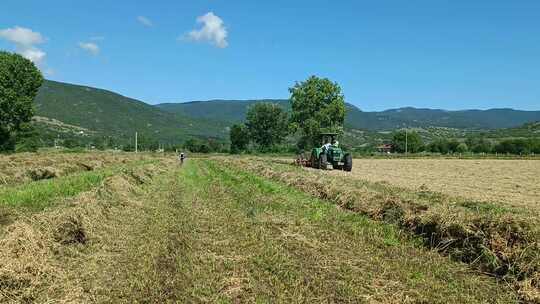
[438, 146]
[412, 140]
[215, 145]
[462, 148]
[535, 145]
[27, 139]
[20, 80]
[515, 146]
[447, 146]
[317, 103]
[71, 143]
[239, 136]
[128, 147]
[145, 142]
[204, 148]
[453, 146]
[479, 145]
[199, 146]
[192, 145]
[267, 124]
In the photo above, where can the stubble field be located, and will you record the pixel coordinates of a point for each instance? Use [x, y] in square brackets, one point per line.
[511, 182]
[142, 228]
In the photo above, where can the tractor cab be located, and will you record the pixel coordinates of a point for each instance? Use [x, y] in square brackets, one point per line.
[330, 154]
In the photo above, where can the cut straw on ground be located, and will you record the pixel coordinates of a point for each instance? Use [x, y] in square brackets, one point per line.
[496, 240]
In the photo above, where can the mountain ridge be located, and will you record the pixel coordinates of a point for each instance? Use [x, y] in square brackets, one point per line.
[377, 120]
[106, 113]
[115, 115]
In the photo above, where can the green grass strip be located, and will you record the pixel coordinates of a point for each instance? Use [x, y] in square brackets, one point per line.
[42, 194]
[39, 195]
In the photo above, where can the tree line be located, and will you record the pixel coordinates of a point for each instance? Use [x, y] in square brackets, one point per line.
[414, 143]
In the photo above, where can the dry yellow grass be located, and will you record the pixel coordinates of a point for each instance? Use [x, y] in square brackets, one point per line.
[25, 167]
[213, 233]
[488, 235]
[513, 182]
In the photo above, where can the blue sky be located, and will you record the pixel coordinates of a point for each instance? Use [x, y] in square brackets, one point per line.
[454, 54]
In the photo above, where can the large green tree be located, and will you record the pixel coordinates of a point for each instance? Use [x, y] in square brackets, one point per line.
[409, 139]
[317, 104]
[20, 80]
[239, 138]
[267, 124]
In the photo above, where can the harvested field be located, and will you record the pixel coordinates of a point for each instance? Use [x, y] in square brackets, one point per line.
[510, 182]
[210, 231]
[492, 237]
[25, 167]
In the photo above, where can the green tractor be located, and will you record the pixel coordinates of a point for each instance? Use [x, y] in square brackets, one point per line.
[330, 155]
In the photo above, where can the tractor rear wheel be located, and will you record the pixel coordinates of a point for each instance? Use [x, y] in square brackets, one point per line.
[314, 163]
[347, 164]
[322, 161]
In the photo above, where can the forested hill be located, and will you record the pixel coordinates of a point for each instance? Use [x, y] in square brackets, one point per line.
[465, 119]
[108, 113]
[231, 111]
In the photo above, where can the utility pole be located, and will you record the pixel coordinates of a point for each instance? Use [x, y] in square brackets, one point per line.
[136, 149]
[56, 141]
[406, 143]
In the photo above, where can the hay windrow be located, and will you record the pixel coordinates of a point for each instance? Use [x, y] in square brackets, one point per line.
[26, 167]
[503, 244]
[34, 249]
[28, 270]
[43, 173]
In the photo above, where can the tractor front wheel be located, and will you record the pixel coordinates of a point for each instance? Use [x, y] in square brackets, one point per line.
[347, 164]
[322, 161]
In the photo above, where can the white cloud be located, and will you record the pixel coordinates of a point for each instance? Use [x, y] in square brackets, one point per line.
[212, 30]
[22, 36]
[90, 47]
[34, 54]
[25, 41]
[145, 21]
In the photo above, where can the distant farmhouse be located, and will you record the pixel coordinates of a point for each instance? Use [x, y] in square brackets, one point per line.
[385, 148]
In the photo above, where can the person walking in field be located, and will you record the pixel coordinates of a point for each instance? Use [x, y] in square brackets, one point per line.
[182, 157]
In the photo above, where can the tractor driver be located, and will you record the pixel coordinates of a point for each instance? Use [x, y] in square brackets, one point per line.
[326, 146]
